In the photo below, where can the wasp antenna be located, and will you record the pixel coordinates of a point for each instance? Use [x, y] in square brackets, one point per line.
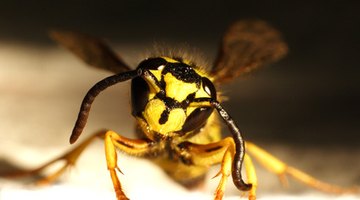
[91, 95]
[239, 145]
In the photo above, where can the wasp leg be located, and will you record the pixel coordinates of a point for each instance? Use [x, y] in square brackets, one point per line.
[251, 175]
[282, 169]
[219, 152]
[134, 147]
[69, 157]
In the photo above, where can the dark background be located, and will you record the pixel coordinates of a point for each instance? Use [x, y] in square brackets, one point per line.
[310, 97]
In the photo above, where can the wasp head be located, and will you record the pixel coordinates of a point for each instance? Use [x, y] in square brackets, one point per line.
[172, 96]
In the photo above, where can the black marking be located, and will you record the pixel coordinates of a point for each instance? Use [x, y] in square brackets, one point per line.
[185, 103]
[158, 137]
[171, 103]
[203, 99]
[164, 116]
[162, 82]
[186, 160]
[213, 149]
[139, 96]
[184, 146]
[181, 153]
[182, 72]
[126, 144]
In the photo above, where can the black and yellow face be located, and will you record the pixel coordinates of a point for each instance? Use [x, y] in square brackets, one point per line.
[172, 97]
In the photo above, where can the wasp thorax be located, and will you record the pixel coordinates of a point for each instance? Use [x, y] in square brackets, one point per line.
[171, 96]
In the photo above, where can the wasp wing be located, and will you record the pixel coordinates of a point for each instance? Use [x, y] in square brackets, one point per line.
[247, 45]
[91, 50]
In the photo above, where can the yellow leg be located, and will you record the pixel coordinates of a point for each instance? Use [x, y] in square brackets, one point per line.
[225, 172]
[111, 160]
[282, 169]
[210, 154]
[135, 147]
[70, 159]
[113, 141]
[251, 176]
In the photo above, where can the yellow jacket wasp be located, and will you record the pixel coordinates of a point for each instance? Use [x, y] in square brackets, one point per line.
[178, 109]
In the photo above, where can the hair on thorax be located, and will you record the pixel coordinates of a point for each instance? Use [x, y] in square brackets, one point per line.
[181, 52]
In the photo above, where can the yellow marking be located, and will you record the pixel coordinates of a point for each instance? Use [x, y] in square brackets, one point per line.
[152, 114]
[156, 73]
[175, 121]
[170, 60]
[200, 104]
[152, 95]
[189, 110]
[178, 89]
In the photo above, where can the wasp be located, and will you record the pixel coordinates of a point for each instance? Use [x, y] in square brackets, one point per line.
[178, 111]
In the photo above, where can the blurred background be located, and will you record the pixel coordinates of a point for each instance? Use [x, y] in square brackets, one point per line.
[304, 109]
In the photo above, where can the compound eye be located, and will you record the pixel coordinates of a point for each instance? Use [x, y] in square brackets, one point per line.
[139, 95]
[208, 87]
[196, 119]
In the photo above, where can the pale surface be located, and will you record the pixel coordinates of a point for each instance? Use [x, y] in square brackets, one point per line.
[40, 94]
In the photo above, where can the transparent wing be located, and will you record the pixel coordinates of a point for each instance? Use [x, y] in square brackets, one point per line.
[91, 50]
[247, 45]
